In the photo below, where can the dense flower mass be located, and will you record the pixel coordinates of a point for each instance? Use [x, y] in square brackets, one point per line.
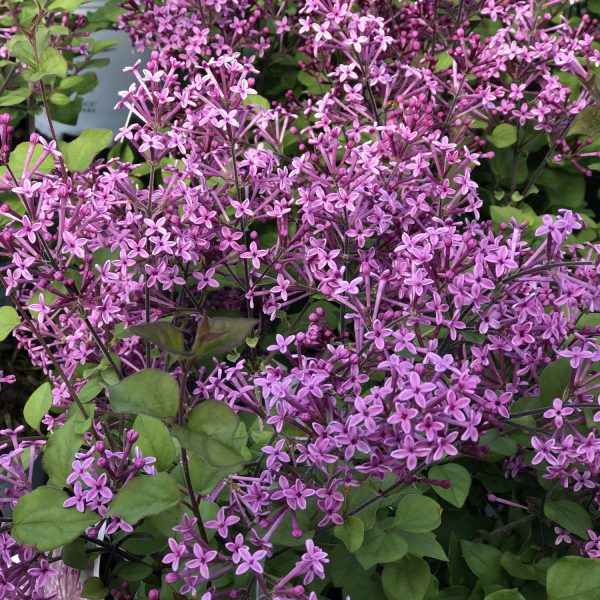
[323, 279]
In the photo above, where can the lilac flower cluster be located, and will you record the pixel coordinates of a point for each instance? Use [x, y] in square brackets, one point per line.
[22, 569]
[98, 470]
[397, 324]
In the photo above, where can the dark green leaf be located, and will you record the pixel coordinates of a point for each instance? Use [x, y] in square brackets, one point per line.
[504, 135]
[587, 122]
[40, 520]
[460, 483]
[483, 560]
[418, 514]
[132, 571]
[220, 334]
[309, 82]
[505, 595]
[162, 334]
[144, 496]
[574, 578]
[352, 533]
[93, 589]
[67, 114]
[60, 452]
[73, 555]
[381, 546]
[515, 567]
[569, 515]
[424, 544]
[454, 593]
[155, 440]
[149, 392]
[554, 380]
[205, 477]
[408, 580]
[213, 432]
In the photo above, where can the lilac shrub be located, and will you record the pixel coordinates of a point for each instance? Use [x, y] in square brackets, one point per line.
[286, 341]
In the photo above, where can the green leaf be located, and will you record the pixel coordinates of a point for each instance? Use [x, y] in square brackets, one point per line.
[505, 595]
[67, 114]
[60, 452]
[587, 122]
[132, 571]
[212, 433]
[70, 82]
[562, 188]
[108, 12]
[443, 62]
[381, 546]
[155, 440]
[144, 496]
[483, 560]
[569, 515]
[418, 514]
[283, 534]
[93, 589]
[149, 392]
[42, 38]
[38, 405]
[19, 154]
[357, 496]
[521, 215]
[407, 580]
[90, 390]
[220, 334]
[258, 100]
[59, 99]
[104, 45]
[15, 97]
[82, 84]
[554, 380]
[504, 135]
[309, 82]
[574, 578]
[460, 483]
[352, 533]
[205, 477]
[162, 334]
[454, 593]
[79, 154]
[515, 567]
[424, 544]
[52, 64]
[20, 47]
[9, 320]
[68, 5]
[73, 555]
[40, 520]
